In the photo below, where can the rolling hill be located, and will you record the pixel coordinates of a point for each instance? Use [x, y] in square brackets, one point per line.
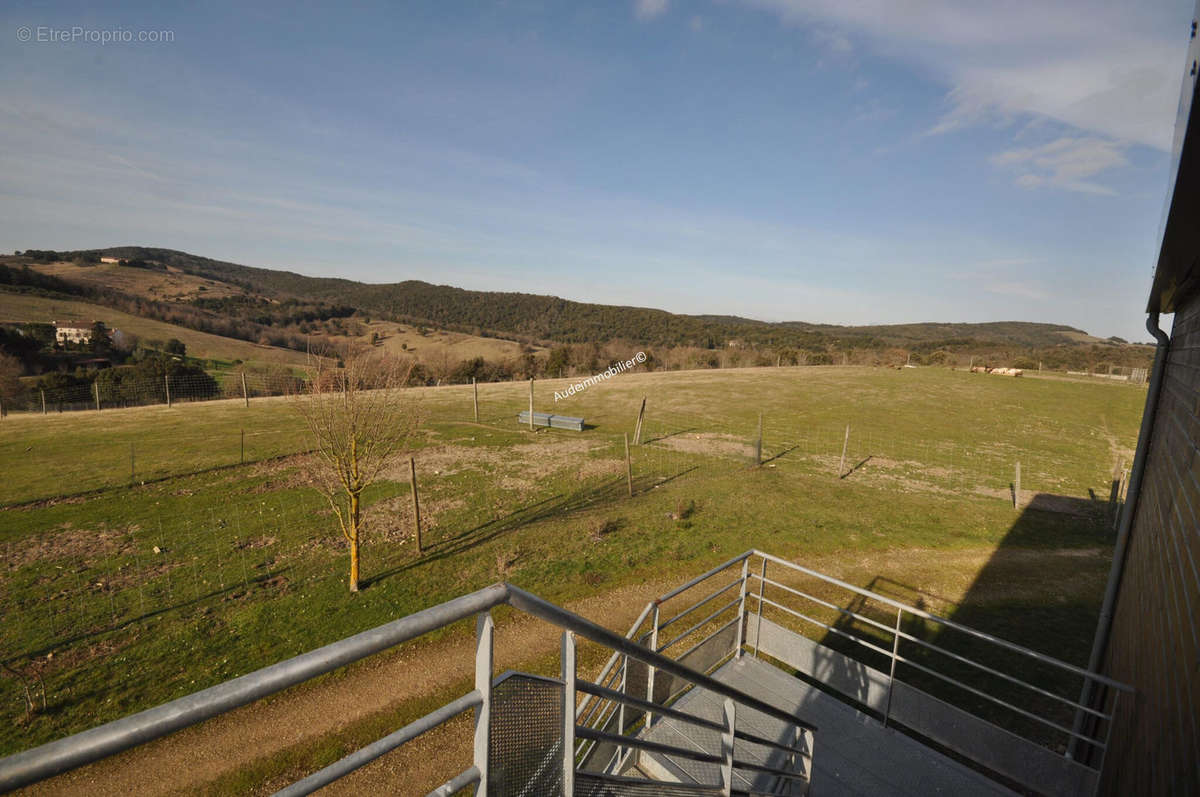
[281, 310]
[550, 319]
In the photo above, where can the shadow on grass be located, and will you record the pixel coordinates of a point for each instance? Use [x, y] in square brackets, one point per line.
[779, 454]
[94, 631]
[609, 491]
[856, 467]
[665, 435]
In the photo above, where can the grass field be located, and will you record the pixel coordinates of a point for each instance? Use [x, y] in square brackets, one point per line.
[248, 569]
[22, 308]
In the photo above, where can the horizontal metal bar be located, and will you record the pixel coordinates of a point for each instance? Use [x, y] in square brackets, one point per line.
[707, 574]
[700, 603]
[457, 783]
[385, 745]
[750, 737]
[646, 744]
[716, 631]
[828, 628]
[531, 604]
[1068, 701]
[623, 780]
[904, 635]
[998, 701]
[949, 623]
[827, 604]
[702, 623]
[612, 660]
[783, 773]
[91, 745]
[646, 705]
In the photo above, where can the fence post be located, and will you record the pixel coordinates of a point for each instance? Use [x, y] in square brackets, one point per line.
[727, 750]
[484, 632]
[245, 393]
[475, 390]
[96, 390]
[43, 401]
[637, 431]
[412, 468]
[1017, 486]
[628, 466]
[531, 403]
[167, 383]
[845, 445]
[568, 713]
[758, 444]
[887, 709]
[741, 627]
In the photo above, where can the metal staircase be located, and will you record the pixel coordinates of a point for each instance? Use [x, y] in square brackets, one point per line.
[716, 689]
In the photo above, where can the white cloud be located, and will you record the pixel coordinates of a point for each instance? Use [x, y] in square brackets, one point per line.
[649, 9]
[1066, 162]
[1111, 69]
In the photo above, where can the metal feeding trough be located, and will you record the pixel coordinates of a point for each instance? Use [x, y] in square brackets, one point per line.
[550, 420]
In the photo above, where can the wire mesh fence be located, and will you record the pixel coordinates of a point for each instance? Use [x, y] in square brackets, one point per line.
[481, 476]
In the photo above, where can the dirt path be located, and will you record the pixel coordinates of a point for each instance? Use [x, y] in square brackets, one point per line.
[184, 762]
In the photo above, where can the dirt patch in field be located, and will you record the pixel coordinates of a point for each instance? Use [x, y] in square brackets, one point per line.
[519, 467]
[70, 543]
[715, 445]
[287, 473]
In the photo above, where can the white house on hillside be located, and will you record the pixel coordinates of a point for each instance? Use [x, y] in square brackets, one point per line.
[72, 332]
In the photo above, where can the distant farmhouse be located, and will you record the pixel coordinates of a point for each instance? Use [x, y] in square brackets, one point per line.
[72, 332]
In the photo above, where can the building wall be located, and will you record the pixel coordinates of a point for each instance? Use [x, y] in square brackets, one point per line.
[1155, 641]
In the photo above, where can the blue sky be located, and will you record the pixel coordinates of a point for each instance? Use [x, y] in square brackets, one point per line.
[877, 161]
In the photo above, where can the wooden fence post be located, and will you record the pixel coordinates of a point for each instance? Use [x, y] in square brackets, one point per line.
[96, 388]
[531, 403]
[1017, 486]
[758, 443]
[412, 468]
[245, 393]
[637, 431]
[845, 445]
[475, 390]
[43, 401]
[167, 383]
[628, 466]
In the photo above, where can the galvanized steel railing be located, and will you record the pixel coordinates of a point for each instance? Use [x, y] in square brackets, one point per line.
[605, 730]
[92, 745]
[706, 619]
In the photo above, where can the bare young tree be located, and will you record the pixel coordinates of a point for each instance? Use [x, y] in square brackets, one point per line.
[360, 420]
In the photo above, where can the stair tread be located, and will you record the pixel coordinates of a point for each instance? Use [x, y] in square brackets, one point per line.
[854, 755]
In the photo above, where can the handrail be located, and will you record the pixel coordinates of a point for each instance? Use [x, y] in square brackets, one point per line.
[721, 591]
[911, 638]
[367, 754]
[54, 758]
[531, 604]
[1093, 676]
[62, 755]
[683, 716]
[706, 574]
